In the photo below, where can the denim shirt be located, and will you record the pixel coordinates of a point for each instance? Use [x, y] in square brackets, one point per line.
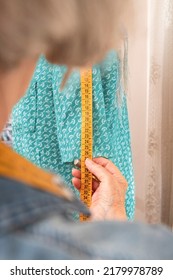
[37, 225]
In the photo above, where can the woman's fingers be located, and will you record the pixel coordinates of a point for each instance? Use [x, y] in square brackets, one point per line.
[102, 168]
[99, 171]
[76, 173]
[101, 161]
[76, 183]
[108, 165]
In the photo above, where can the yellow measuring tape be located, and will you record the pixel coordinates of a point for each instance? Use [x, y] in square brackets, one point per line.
[16, 167]
[86, 138]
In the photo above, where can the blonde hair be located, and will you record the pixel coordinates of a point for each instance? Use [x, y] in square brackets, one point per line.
[71, 32]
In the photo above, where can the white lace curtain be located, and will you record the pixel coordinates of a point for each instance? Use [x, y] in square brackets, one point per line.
[155, 175]
[159, 192]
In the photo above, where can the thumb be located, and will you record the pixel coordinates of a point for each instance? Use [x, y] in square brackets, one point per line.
[100, 172]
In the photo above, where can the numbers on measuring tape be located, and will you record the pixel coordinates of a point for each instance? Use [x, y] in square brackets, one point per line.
[86, 137]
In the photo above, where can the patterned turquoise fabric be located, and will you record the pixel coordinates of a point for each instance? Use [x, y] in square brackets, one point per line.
[46, 123]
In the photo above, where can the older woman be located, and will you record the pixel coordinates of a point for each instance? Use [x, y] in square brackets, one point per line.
[47, 122]
[33, 224]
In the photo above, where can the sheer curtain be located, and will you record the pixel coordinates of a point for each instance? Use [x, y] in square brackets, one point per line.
[153, 147]
[159, 202]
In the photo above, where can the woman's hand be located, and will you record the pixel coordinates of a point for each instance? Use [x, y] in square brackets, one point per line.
[108, 198]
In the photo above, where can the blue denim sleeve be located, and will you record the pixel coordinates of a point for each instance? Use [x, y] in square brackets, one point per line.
[54, 238]
[38, 225]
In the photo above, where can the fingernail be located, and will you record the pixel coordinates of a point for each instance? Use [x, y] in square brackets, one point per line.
[77, 162]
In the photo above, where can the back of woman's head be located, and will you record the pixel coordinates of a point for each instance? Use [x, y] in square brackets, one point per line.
[71, 32]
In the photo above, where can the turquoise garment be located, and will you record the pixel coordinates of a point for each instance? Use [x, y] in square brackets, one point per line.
[46, 123]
